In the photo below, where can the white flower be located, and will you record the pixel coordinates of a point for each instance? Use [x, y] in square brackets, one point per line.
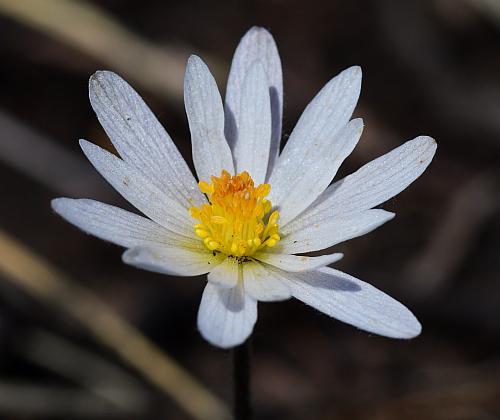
[234, 236]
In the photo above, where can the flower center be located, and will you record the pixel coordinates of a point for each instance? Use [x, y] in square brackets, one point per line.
[236, 222]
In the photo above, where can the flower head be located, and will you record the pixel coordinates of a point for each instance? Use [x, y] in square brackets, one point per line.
[254, 209]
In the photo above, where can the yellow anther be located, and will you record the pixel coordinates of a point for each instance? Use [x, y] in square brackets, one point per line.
[274, 217]
[234, 220]
[205, 187]
[270, 242]
[212, 245]
[201, 233]
[218, 220]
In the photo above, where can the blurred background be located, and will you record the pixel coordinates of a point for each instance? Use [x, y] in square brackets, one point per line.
[83, 336]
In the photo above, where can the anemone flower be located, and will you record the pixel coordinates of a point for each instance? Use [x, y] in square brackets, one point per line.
[255, 211]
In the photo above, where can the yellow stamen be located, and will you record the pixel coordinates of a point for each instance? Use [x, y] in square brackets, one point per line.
[234, 222]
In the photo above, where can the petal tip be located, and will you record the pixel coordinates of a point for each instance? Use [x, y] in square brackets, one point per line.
[427, 146]
[218, 340]
[413, 330]
[194, 59]
[357, 70]
[339, 256]
[432, 142]
[86, 145]
[101, 76]
[354, 72]
[130, 255]
[390, 215]
[58, 203]
[357, 123]
[258, 30]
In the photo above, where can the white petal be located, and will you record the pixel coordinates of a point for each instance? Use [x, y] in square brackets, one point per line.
[295, 263]
[264, 285]
[321, 121]
[377, 181]
[225, 274]
[140, 139]
[354, 302]
[226, 317]
[316, 233]
[257, 45]
[172, 261]
[139, 191]
[251, 150]
[305, 169]
[211, 153]
[117, 225]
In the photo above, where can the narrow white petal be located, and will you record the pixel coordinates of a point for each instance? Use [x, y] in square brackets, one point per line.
[316, 234]
[295, 263]
[205, 112]
[251, 150]
[226, 317]
[140, 139]
[225, 274]
[354, 302]
[172, 261]
[139, 191]
[322, 120]
[377, 181]
[264, 285]
[257, 45]
[305, 169]
[118, 226]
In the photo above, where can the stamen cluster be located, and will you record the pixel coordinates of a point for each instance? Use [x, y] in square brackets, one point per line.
[234, 221]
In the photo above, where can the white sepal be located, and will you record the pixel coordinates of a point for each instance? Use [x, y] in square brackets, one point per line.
[173, 261]
[297, 182]
[314, 142]
[253, 142]
[257, 45]
[307, 235]
[226, 317]
[264, 285]
[354, 302]
[119, 226]
[295, 263]
[375, 182]
[140, 139]
[225, 274]
[205, 112]
[158, 205]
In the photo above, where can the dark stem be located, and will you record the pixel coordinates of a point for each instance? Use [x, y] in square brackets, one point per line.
[241, 378]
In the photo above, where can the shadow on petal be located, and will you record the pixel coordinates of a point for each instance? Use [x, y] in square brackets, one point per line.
[233, 299]
[329, 281]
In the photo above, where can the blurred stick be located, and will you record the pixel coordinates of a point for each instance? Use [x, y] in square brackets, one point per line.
[38, 278]
[431, 271]
[46, 161]
[50, 401]
[100, 377]
[90, 29]
[489, 8]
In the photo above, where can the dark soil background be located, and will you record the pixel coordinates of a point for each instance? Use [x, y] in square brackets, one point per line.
[429, 67]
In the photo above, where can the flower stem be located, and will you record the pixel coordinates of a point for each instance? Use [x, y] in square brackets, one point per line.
[241, 378]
